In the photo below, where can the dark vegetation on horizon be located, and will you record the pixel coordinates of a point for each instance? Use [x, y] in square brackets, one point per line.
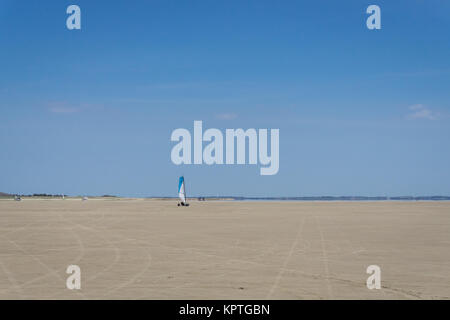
[45, 195]
[306, 198]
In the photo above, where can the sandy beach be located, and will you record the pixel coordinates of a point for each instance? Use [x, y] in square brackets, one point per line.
[150, 249]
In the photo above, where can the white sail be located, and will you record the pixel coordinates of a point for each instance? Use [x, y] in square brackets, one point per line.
[182, 190]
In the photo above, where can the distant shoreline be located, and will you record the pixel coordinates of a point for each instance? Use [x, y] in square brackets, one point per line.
[318, 198]
[234, 198]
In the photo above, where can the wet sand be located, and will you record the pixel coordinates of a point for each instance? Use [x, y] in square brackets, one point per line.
[149, 249]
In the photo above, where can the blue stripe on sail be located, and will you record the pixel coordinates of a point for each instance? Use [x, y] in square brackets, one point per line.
[180, 183]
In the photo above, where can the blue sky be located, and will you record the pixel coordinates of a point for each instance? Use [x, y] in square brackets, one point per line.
[91, 111]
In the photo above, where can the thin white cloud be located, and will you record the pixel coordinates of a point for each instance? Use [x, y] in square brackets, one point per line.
[419, 111]
[226, 116]
[67, 107]
[63, 110]
[61, 107]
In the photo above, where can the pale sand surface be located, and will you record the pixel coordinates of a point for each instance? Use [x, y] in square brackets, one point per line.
[141, 249]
